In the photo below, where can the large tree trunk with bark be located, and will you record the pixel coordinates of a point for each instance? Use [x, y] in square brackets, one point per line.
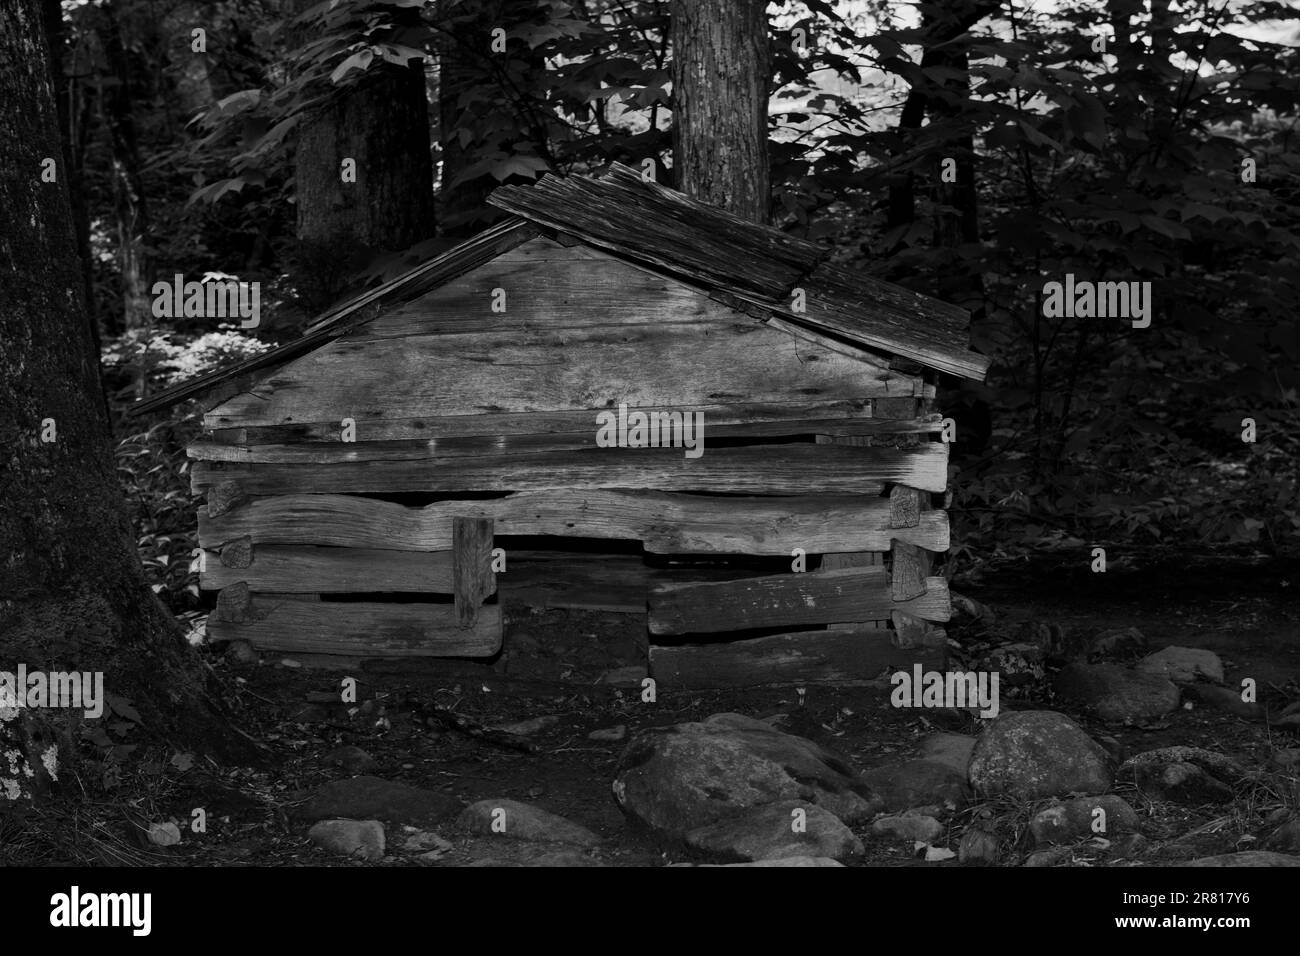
[72, 593]
[720, 74]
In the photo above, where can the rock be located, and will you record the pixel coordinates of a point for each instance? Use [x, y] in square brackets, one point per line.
[564, 858]
[1015, 664]
[363, 798]
[1247, 858]
[979, 846]
[1225, 699]
[1117, 642]
[913, 827]
[1115, 693]
[164, 834]
[785, 861]
[1286, 838]
[972, 608]
[675, 779]
[430, 845]
[1049, 857]
[951, 750]
[630, 676]
[528, 728]
[1113, 746]
[522, 821]
[356, 838]
[1039, 753]
[242, 652]
[1186, 775]
[613, 734]
[767, 833]
[917, 782]
[1074, 820]
[1287, 759]
[353, 760]
[1183, 664]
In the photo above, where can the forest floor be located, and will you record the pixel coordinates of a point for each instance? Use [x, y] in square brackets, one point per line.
[1247, 613]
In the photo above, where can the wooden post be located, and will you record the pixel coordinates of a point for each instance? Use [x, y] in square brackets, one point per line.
[471, 563]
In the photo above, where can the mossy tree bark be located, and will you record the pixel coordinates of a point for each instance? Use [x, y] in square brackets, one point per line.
[72, 592]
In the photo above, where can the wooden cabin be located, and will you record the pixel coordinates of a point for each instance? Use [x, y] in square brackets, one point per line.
[537, 385]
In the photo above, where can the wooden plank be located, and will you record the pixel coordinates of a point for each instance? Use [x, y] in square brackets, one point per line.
[554, 370]
[832, 417]
[909, 569]
[816, 597]
[430, 449]
[616, 583]
[472, 575]
[753, 469]
[338, 320]
[297, 569]
[802, 657]
[665, 523]
[363, 629]
[548, 286]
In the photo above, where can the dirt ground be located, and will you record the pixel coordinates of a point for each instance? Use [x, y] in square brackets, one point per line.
[1246, 612]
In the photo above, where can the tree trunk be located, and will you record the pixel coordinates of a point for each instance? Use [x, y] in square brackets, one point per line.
[720, 75]
[72, 594]
[131, 209]
[382, 123]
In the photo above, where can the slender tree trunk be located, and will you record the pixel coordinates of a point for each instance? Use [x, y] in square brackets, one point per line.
[72, 594]
[720, 75]
[132, 210]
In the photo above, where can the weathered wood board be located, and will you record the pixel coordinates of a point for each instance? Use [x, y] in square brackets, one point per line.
[329, 449]
[360, 628]
[665, 523]
[803, 657]
[554, 370]
[752, 469]
[336, 570]
[739, 419]
[471, 560]
[816, 597]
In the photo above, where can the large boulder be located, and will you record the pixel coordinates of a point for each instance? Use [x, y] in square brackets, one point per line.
[1184, 664]
[1081, 818]
[1039, 753]
[768, 833]
[522, 821]
[1116, 693]
[917, 783]
[1186, 775]
[676, 779]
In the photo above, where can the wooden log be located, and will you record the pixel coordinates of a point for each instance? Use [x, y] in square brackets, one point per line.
[473, 579]
[666, 523]
[307, 448]
[756, 418]
[847, 656]
[817, 597]
[333, 570]
[361, 629]
[755, 470]
[901, 408]
[237, 553]
[554, 370]
[909, 570]
[615, 583]
[904, 507]
[222, 496]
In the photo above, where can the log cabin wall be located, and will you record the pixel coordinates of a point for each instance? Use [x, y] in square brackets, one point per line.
[355, 492]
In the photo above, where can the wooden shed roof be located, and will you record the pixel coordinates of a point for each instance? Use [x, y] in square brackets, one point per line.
[755, 267]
